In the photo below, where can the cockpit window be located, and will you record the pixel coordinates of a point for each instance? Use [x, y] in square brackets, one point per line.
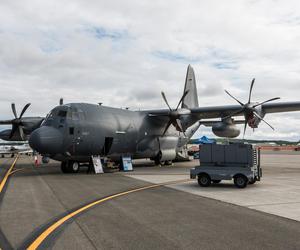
[76, 115]
[62, 113]
[55, 113]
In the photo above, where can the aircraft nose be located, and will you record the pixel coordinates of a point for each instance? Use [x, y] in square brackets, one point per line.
[46, 140]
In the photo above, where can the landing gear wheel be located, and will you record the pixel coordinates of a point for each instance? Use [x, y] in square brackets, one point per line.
[168, 163]
[252, 181]
[63, 167]
[157, 159]
[204, 180]
[240, 181]
[216, 181]
[73, 166]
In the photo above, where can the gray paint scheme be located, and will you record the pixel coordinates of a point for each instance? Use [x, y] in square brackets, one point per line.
[88, 129]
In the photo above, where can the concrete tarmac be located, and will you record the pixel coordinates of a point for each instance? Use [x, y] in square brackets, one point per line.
[157, 218]
[278, 192]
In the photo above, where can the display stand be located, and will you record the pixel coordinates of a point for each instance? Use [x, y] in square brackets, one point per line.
[97, 164]
[126, 164]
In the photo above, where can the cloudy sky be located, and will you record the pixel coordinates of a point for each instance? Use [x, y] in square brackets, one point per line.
[123, 53]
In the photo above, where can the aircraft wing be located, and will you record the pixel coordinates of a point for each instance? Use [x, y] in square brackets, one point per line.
[222, 111]
[281, 107]
[215, 111]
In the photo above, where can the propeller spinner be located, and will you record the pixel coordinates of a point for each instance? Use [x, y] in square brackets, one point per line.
[175, 114]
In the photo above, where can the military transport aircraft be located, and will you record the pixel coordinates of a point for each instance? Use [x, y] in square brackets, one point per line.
[72, 133]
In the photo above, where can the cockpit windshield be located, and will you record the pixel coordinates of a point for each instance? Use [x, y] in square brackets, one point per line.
[76, 114]
[60, 114]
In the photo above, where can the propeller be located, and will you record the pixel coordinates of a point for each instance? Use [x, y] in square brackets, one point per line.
[175, 114]
[249, 108]
[17, 124]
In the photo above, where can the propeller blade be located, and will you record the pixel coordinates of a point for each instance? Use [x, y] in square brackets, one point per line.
[181, 99]
[168, 125]
[13, 107]
[245, 128]
[242, 104]
[21, 132]
[179, 125]
[259, 104]
[155, 115]
[233, 114]
[7, 122]
[258, 116]
[250, 92]
[24, 110]
[165, 99]
[13, 131]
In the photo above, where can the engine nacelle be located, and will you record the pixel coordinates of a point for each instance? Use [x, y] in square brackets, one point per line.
[223, 129]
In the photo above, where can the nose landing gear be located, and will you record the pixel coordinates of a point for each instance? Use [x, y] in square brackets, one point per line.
[69, 166]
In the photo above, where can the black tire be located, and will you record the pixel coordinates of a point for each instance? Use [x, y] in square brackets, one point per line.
[252, 181]
[240, 181]
[73, 166]
[63, 167]
[157, 159]
[216, 181]
[204, 180]
[168, 163]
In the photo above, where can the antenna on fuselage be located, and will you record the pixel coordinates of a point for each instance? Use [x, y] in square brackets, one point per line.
[61, 101]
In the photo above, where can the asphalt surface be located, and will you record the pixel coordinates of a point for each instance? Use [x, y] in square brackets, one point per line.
[158, 218]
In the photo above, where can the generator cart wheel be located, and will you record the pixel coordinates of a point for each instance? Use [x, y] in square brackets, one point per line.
[240, 181]
[204, 180]
[216, 181]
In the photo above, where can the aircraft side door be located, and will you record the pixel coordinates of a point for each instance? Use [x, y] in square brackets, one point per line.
[78, 134]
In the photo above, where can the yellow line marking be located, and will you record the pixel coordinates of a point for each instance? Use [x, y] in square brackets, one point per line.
[36, 243]
[2, 184]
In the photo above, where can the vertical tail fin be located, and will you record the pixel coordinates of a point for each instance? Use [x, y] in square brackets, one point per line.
[191, 99]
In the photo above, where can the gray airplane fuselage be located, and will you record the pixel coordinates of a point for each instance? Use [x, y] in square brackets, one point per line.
[77, 131]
